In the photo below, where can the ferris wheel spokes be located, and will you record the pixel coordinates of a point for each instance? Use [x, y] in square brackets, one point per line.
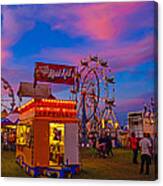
[96, 85]
[7, 96]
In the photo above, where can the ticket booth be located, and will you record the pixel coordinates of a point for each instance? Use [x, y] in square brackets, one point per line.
[47, 138]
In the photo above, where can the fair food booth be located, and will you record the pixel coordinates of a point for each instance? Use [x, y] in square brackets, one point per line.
[47, 138]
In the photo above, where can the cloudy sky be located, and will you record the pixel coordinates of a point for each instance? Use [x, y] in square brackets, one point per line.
[122, 33]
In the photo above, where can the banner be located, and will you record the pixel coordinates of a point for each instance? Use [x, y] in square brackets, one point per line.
[54, 73]
[26, 89]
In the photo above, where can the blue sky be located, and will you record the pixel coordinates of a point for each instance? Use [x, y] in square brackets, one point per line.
[122, 33]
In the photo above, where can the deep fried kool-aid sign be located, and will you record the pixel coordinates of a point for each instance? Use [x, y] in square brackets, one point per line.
[54, 73]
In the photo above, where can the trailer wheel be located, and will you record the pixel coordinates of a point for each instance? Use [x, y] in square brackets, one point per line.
[27, 169]
[56, 174]
[69, 175]
[44, 172]
[17, 160]
[32, 172]
[21, 162]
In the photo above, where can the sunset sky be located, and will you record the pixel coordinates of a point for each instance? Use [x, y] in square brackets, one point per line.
[122, 33]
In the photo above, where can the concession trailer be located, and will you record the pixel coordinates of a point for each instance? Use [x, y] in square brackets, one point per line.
[47, 138]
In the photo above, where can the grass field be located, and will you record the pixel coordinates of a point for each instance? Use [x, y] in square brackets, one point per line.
[93, 167]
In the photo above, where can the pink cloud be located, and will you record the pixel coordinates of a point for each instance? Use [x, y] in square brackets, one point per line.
[6, 54]
[97, 21]
[130, 104]
[15, 75]
[120, 57]
[132, 54]
[14, 25]
[103, 21]
[60, 54]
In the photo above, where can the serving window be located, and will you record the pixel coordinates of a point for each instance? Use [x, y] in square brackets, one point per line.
[24, 135]
[56, 144]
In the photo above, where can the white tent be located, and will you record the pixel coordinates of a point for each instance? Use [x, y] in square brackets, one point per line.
[13, 116]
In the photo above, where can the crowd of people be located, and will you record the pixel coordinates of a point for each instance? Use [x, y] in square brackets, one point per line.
[148, 148]
[8, 140]
[102, 142]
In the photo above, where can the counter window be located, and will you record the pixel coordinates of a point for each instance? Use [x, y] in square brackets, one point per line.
[56, 144]
[23, 135]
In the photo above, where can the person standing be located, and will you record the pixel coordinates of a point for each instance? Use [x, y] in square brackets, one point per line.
[155, 154]
[5, 140]
[151, 149]
[101, 144]
[134, 146]
[109, 144]
[145, 148]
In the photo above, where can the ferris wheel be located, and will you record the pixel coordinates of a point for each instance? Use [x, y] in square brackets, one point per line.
[94, 92]
[7, 96]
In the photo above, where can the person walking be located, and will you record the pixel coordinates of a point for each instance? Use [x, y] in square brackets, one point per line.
[145, 148]
[134, 146]
[108, 140]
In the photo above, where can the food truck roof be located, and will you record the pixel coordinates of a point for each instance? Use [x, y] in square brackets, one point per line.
[51, 109]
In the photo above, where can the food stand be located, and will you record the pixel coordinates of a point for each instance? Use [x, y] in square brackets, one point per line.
[140, 122]
[47, 138]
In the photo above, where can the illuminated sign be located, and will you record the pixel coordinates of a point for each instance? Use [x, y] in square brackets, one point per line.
[54, 73]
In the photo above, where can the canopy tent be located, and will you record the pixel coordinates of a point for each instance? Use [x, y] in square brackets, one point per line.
[14, 116]
[5, 121]
[10, 120]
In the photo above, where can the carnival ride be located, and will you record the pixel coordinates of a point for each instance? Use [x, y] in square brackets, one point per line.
[7, 96]
[94, 91]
